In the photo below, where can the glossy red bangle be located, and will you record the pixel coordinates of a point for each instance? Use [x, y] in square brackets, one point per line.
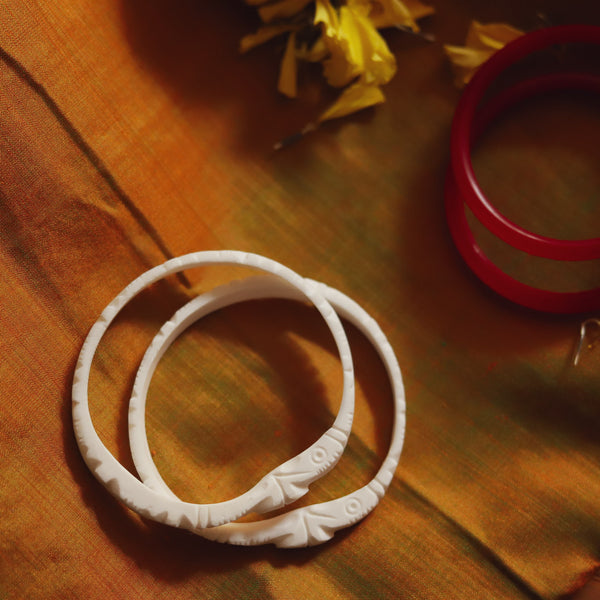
[495, 278]
[460, 146]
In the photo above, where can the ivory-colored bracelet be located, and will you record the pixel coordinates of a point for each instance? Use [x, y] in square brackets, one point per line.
[169, 510]
[304, 526]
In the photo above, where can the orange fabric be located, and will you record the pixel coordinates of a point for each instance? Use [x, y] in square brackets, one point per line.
[133, 131]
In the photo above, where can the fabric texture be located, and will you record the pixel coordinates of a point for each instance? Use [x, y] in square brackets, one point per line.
[134, 131]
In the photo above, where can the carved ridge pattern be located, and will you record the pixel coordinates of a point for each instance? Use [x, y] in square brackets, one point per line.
[307, 526]
[293, 477]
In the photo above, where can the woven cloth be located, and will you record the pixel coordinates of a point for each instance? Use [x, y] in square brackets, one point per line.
[134, 131]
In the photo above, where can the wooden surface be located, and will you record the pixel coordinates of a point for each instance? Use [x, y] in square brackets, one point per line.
[133, 131]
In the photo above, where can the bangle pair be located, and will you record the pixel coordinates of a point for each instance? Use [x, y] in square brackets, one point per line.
[151, 497]
[462, 188]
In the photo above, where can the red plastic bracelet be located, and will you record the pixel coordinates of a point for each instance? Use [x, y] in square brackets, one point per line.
[495, 278]
[460, 146]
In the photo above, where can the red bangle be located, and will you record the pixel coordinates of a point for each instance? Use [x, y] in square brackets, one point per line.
[460, 146]
[495, 278]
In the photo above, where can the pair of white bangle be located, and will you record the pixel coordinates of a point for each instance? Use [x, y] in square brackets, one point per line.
[152, 498]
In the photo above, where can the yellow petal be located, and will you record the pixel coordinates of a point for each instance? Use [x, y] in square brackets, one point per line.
[379, 64]
[356, 97]
[281, 9]
[326, 15]
[467, 58]
[288, 74]
[417, 9]
[315, 53]
[482, 41]
[264, 34]
[492, 36]
[398, 13]
[465, 61]
[345, 61]
[356, 49]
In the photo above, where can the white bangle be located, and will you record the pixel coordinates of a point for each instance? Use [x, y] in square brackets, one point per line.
[319, 458]
[309, 525]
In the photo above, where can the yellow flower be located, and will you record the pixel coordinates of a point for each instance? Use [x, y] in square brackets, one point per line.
[358, 55]
[344, 38]
[482, 41]
[355, 97]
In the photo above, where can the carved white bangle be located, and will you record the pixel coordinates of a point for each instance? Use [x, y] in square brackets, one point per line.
[309, 525]
[168, 509]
